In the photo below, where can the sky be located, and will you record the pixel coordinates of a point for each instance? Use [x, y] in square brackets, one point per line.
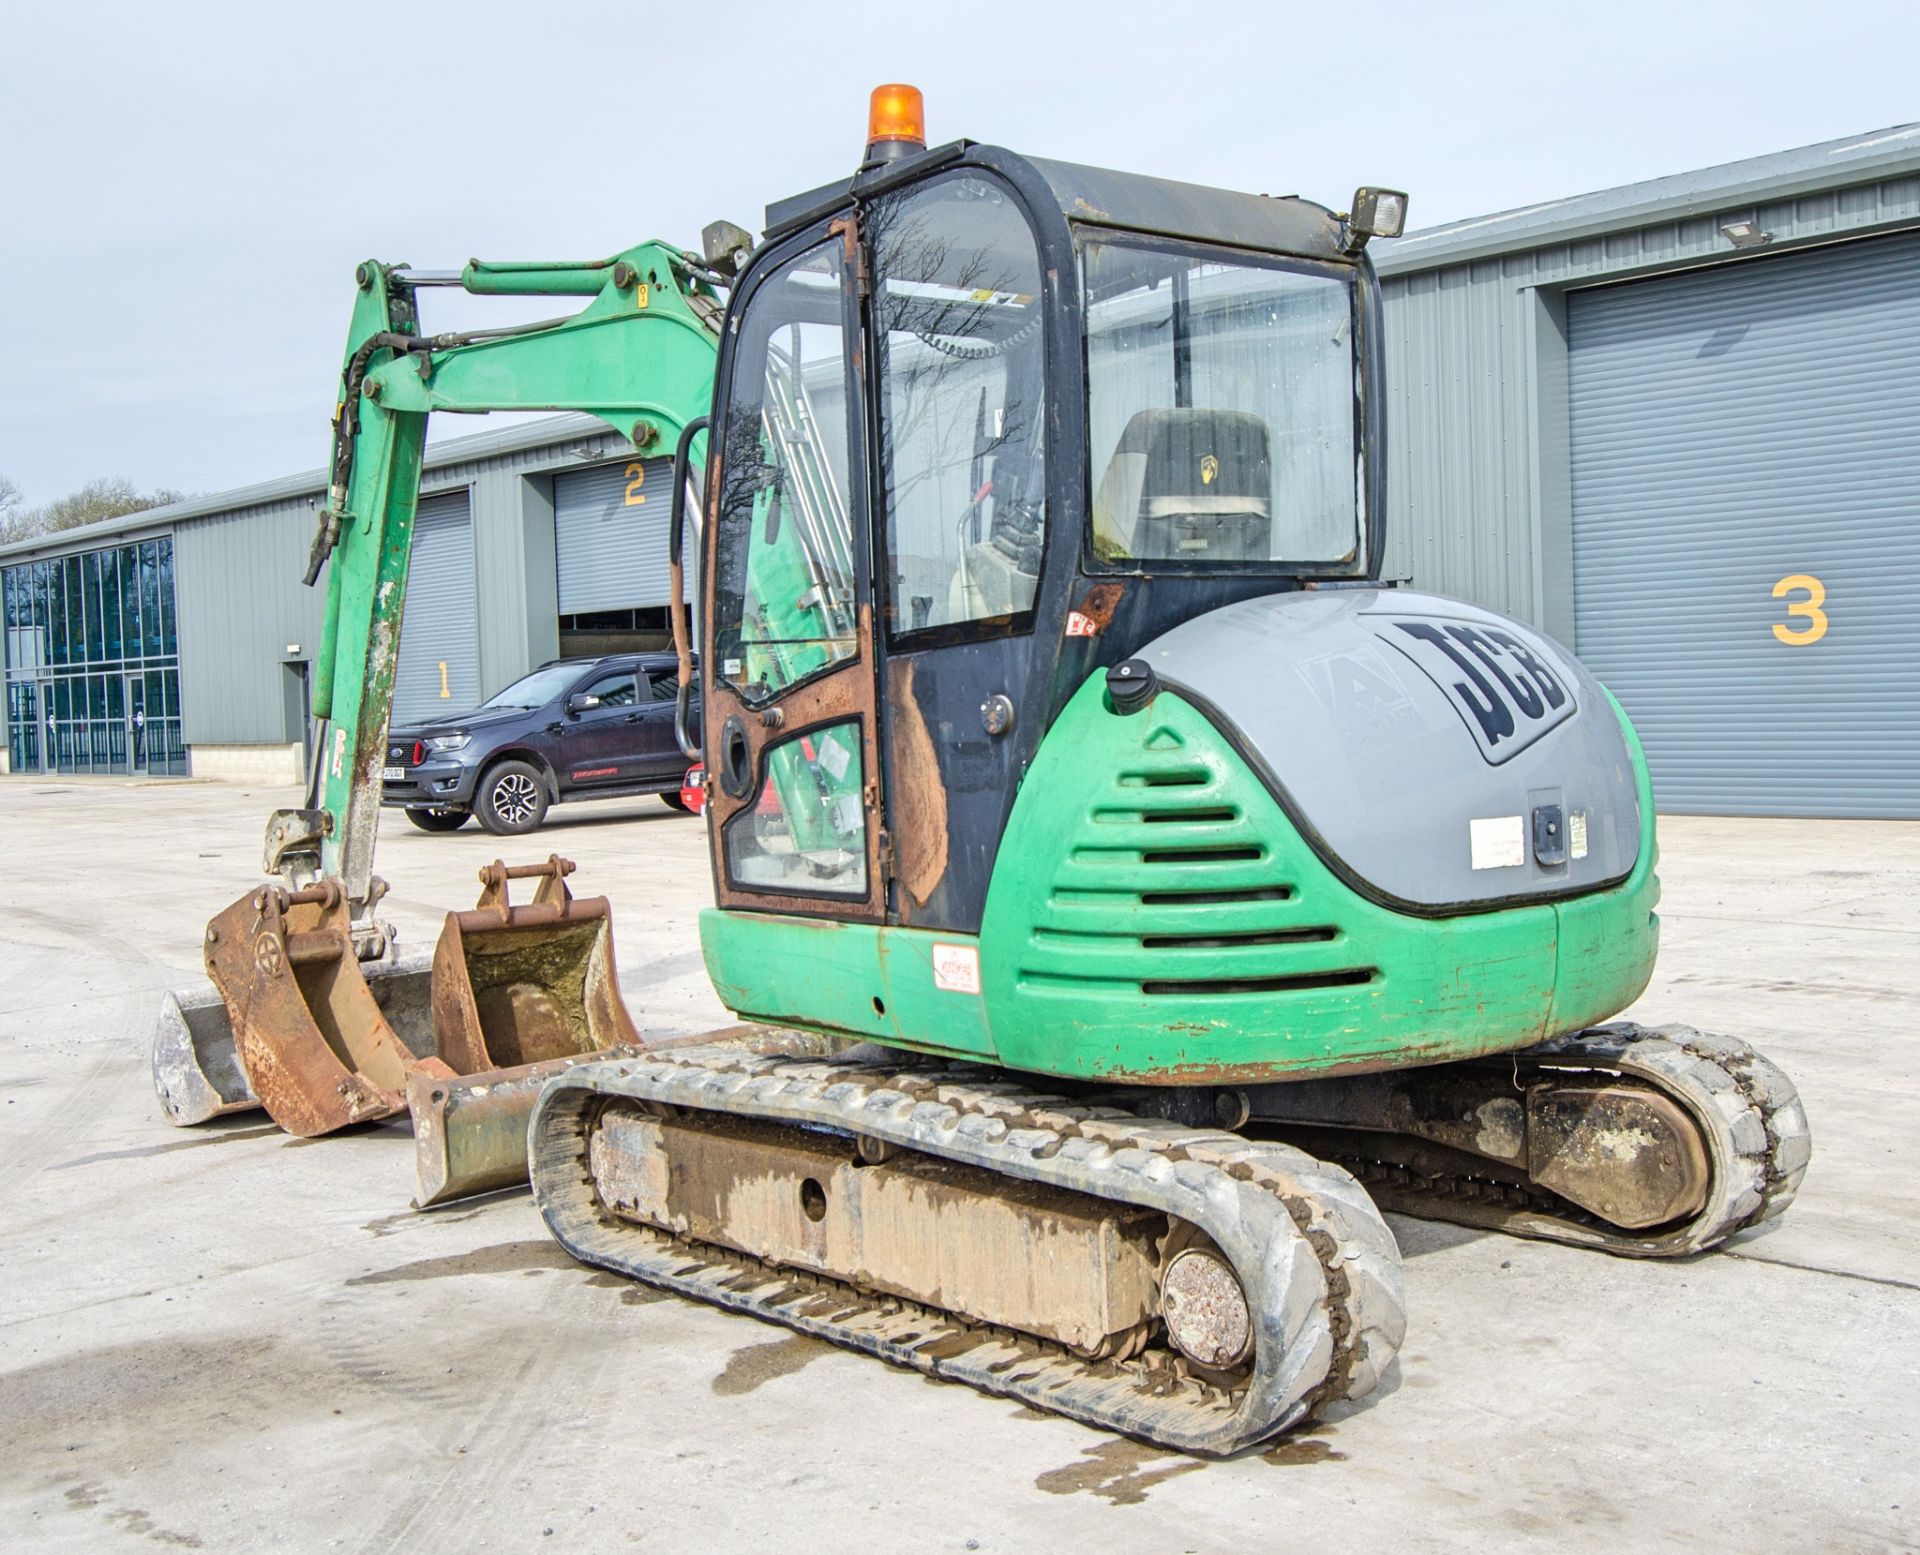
[185, 188]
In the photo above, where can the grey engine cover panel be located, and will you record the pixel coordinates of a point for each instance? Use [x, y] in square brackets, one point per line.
[1421, 741]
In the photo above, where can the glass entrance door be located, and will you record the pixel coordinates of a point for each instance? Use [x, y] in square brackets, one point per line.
[23, 726]
[136, 726]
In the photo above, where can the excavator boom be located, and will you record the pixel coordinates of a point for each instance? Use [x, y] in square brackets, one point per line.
[640, 356]
[318, 1020]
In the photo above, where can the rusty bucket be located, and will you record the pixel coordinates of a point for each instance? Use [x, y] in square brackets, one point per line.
[314, 1044]
[516, 994]
[528, 984]
[519, 994]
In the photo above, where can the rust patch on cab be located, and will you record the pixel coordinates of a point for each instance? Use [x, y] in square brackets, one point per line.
[920, 798]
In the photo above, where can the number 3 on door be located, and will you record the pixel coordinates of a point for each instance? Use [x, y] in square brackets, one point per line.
[1816, 627]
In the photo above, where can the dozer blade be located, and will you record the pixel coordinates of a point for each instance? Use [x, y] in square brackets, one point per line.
[470, 1133]
[316, 1048]
[1187, 1286]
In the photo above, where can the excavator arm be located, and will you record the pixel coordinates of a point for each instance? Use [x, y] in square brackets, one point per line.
[640, 356]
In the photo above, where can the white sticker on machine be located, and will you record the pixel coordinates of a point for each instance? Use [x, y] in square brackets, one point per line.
[956, 968]
[1577, 833]
[833, 756]
[1498, 842]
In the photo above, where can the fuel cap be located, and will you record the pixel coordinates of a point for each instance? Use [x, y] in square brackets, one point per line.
[1131, 684]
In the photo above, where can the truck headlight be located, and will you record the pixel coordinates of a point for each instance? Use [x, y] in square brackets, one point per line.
[446, 742]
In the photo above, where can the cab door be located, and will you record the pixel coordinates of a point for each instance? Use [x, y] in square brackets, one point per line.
[957, 343]
[788, 667]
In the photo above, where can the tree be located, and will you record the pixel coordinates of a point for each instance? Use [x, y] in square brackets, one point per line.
[104, 498]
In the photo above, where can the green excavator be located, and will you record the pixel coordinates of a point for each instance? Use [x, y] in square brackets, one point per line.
[1126, 891]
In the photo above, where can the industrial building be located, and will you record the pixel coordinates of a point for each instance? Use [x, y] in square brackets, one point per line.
[1673, 423]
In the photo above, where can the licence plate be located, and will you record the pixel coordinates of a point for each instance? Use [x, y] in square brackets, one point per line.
[392, 774]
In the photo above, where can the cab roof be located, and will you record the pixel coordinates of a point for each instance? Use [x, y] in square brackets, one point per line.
[1163, 206]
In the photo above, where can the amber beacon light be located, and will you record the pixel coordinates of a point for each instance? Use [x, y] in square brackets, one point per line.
[897, 116]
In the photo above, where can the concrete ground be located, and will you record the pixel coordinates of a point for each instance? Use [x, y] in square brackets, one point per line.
[336, 1372]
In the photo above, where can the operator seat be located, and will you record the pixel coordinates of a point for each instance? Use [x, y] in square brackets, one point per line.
[1187, 484]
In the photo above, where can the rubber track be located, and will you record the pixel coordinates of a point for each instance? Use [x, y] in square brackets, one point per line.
[1320, 1267]
[1758, 1144]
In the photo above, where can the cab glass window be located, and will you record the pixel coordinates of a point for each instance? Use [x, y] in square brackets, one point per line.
[807, 833]
[962, 405]
[783, 579]
[1221, 402]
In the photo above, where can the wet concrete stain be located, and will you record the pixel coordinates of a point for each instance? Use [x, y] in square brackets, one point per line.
[90, 1497]
[506, 1258]
[1298, 1450]
[260, 1131]
[751, 1365]
[1120, 1472]
[632, 1292]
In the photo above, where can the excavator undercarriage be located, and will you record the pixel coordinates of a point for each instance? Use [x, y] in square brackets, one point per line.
[1189, 1286]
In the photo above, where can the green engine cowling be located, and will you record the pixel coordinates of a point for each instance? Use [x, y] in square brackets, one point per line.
[1159, 915]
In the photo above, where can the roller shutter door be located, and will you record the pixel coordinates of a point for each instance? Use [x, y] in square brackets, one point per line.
[439, 674]
[1746, 526]
[610, 535]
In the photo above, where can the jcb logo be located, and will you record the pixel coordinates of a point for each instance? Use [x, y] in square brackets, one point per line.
[1506, 692]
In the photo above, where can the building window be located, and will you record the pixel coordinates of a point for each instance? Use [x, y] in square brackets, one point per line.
[92, 662]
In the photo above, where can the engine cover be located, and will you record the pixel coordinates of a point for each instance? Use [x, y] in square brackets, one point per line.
[1440, 757]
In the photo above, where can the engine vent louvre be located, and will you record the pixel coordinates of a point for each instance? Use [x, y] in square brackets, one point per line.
[1344, 979]
[1312, 936]
[1170, 884]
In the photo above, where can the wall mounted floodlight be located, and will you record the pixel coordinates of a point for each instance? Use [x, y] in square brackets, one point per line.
[1377, 213]
[1745, 234]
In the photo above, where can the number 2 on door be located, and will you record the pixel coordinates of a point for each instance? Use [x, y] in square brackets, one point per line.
[636, 478]
[1816, 618]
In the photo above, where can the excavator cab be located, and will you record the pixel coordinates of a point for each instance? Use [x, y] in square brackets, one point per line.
[984, 427]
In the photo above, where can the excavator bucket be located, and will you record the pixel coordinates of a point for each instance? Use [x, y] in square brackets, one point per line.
[519, 995]
[528, 984]
[315, 1047]
[197, 1072]
[294, 1023]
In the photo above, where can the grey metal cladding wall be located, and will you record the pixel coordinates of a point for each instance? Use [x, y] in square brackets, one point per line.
[1475, 414]
[1458, 506]
[439, 629]
[610, 535]
[1733, 428]
[240, 604]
